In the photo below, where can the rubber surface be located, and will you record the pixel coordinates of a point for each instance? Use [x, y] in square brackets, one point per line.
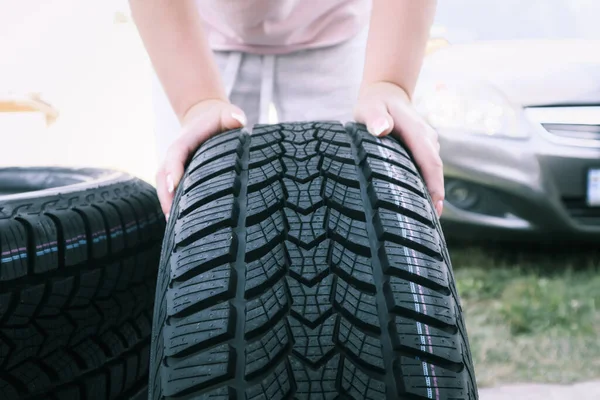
[77, 276]
[305, 261]
[19, 180]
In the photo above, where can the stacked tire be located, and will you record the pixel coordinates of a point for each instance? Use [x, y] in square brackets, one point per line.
[79, 257]
[306, 261]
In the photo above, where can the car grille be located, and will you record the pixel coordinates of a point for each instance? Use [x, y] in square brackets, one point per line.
[569, 126]
[574, 131]
[581, 213]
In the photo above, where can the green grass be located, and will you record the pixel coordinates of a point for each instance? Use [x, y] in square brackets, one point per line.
[532, 316]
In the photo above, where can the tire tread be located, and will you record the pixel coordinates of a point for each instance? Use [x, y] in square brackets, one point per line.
[329, 276]
[77, 301]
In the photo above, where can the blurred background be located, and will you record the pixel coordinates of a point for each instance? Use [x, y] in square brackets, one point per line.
[513, 88]
[87, 62]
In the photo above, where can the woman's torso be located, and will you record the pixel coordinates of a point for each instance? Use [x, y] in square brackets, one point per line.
[281, 26]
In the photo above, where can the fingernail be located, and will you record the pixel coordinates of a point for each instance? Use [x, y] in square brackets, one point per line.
[380, 126]
[439, 206]
[239, 118]
[170, 184]
[167, 217]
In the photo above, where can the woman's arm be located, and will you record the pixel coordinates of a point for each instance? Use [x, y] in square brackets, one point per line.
[397, 39]
[174, 38]
[395, 49]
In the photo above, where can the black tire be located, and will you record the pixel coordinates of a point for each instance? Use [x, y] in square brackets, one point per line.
[80, 252]
[305, 261]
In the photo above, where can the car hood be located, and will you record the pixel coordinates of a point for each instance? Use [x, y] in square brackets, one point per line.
[529, 73]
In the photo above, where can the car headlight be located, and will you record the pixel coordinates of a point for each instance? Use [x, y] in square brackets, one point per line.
[476, 109]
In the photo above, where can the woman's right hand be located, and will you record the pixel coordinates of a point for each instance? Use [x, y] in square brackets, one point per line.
[201, 122]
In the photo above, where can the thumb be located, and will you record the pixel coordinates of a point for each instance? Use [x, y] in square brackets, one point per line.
[376, 117]
[232, 117]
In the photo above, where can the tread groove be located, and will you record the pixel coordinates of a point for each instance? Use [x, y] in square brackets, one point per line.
[240, 269]
[366, 328]
[107, 227]
[418, 279]
[395, 182]
[270, 366]
[88, 232]
[59, 273]
[412, 245]
[312, 324]
[430, 358]
[451, 329]
[408, 213]
[203, 163]
[261, 330]
[391, 383]
[208, 177]
[16, 383]
[30, 245]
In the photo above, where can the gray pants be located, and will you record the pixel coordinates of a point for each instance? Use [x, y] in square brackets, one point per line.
[309, 85]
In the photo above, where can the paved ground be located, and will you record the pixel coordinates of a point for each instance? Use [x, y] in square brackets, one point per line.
[580, 391]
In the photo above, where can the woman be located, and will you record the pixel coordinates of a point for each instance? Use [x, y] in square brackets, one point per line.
[221, 63]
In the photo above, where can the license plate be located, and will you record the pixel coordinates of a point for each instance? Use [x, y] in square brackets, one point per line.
[593, 187]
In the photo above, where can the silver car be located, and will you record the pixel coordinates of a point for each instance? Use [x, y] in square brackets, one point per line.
[515, 98]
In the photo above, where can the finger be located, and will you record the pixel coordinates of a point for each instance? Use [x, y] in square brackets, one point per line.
[422, 140]
[376, 118]
[439, 207]
[427, 157]
[174, 165]
[215, 121]
[197, 132]
[192, 136]
[432, 169]
[164, 196]
[431, 135]
[170, 174]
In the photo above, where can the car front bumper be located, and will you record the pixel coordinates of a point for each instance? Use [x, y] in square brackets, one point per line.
[532, 188]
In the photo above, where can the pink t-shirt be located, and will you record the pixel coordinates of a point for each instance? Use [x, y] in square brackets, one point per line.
[281, 26]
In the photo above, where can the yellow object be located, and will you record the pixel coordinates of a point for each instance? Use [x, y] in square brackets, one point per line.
[28, 103]
[435, 44]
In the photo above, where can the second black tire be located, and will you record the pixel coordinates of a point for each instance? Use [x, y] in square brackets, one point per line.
[305, 261]
[79, 255]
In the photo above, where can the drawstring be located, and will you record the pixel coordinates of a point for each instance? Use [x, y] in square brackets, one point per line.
[266, 85]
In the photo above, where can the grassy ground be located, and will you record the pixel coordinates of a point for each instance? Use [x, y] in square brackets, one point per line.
[532, 315]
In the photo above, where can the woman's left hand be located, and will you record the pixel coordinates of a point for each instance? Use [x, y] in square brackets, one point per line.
[386, 108]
